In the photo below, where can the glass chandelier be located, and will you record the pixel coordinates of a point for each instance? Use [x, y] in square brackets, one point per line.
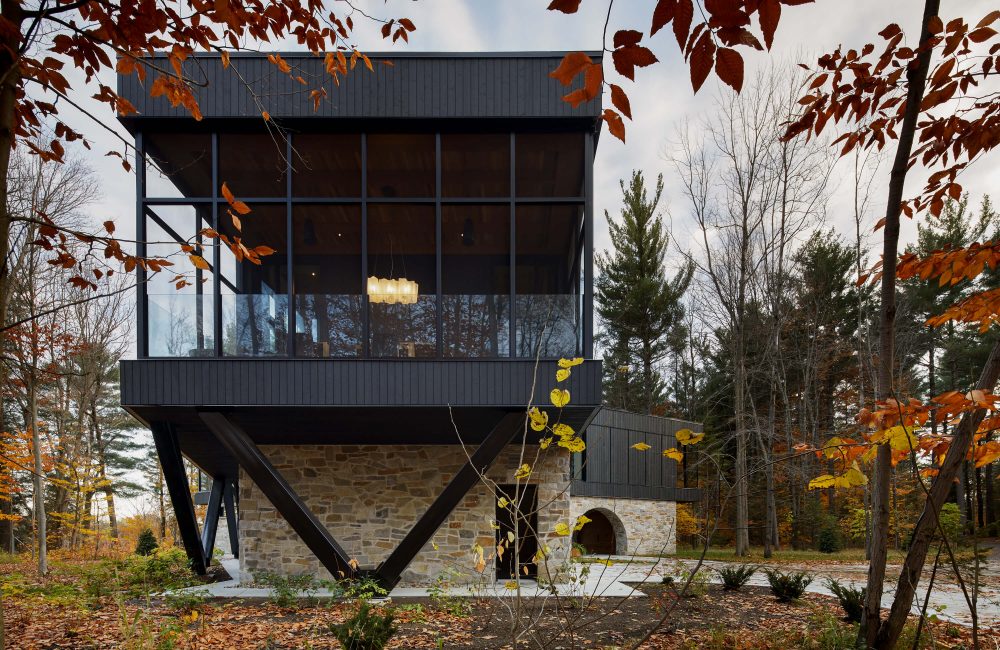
[392, 292]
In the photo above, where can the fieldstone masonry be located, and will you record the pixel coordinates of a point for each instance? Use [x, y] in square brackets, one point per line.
[370, 496]
[642, 527]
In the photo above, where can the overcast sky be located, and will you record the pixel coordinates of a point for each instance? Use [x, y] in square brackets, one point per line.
[661, 99]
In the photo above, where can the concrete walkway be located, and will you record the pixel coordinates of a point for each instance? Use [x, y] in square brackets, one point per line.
[617, 577]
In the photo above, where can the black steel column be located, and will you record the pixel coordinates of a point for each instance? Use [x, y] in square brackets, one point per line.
[512, 326]
[464, 480]
[365, 317]
[169, 450]
[142, 347]
[290, 246]
[280, 494]
[217, 251]
[232, 522]
[439, 308]
[212, 514]
[588, 248]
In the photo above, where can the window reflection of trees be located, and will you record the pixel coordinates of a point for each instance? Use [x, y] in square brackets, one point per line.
[476, 325]
[329, 325]
[547, 326]
[404, 330]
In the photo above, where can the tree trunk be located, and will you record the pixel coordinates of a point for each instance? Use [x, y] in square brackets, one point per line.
[108, 489]
[916, 78]
[38, 485]
[927, 524]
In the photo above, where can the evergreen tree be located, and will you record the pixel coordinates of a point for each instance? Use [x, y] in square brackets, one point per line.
[639, 306]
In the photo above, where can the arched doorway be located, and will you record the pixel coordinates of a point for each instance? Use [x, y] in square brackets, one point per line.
[604, 534]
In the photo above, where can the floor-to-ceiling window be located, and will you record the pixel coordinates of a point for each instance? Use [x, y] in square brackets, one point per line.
[385, 244]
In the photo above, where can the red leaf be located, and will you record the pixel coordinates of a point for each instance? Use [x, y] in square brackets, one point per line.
[982, 34]
[729, 67]
[770, 14]
[571, 65]
[627, 58]
[565, 6]
[662, 14]
[620, 101]
[683, 15]
[627, 37]
[702, 58]
[616, 126]
[408, 24]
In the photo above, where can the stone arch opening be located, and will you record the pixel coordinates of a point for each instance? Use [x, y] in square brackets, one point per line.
[604, 534]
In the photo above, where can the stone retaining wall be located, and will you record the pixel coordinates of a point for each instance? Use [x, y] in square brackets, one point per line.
[642, 527]
[369, 497]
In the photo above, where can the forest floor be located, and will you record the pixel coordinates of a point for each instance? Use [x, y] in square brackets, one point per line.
[81, 605]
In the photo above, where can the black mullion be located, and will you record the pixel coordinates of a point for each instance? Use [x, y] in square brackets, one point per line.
[439, 308]
[588, 265]
[365, 320]
[512, 326]
[289, 269]
[142, 344]
[217, 252]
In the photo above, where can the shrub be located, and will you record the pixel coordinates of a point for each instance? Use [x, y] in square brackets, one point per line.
[829, 540]
[787, 587]
[951, 521]
[851, 599]
[146, 544]
[286, 590]
[735, 576]
[367, 629]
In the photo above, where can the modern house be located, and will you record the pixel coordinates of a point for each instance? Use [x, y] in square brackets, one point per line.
[433, 226]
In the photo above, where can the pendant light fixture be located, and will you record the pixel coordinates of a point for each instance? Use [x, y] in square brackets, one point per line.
[392, 292]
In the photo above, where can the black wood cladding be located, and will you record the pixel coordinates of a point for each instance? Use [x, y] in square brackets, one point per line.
[614, 469]
[348, 382]
[415, 86]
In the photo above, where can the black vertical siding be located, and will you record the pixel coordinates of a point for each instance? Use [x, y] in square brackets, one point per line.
[417, 85]
[614, 469]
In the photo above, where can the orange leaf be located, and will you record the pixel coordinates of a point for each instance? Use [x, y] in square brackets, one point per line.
[729, 67]
[620, 101]
[616, 126]
[226, 193]
[571, 65]
[266, 116]
[199, 262]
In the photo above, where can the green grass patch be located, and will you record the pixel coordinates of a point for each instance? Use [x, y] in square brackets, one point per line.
[843, 556]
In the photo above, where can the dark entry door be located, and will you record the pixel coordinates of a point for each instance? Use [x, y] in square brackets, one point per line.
[527, 497]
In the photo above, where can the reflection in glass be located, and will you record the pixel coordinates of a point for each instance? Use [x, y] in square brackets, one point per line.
[475, 266]
[401, 165]
[475, 165]
[252, 164]
[326, 164]
[179, 321]
[255, 297]
[326, 270]
[549, 255]
[549, 164]
[178, 165]
[401, 244]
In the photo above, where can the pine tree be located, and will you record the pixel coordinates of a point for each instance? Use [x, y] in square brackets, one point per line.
[639, 307]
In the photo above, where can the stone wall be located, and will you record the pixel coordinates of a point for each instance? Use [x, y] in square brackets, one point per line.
[642, 527]
[370, 496]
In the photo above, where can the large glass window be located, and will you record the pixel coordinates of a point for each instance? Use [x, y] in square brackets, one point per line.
[178, 165]
[549, 251]
[326, 164]
[475, 280]
[252, 164]
[549, 164]
[475, 165]
[179, 320]
[401, 245]
[327, 274]
[255, 296]
[401, 165]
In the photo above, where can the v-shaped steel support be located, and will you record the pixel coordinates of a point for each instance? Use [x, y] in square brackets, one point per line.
[389, 572]
[169, 450]
[279, 493]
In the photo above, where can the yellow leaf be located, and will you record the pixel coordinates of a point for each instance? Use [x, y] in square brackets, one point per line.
[502, 502]
[574, 445]
[434, 545]
[511, 585]
[524, 471]
[832, 447]
[539, 419]
[641, 446]
[510, 536]
[560, 398]
[674, 454]
[562, 529]
[900, 438]
[545, 442]
[199, 262]
[563, 430]
[562, 374]
[823, 481]
[569, 363]
[582, 521]
[688, 437]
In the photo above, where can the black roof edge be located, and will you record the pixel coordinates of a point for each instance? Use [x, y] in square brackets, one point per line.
[287, 54]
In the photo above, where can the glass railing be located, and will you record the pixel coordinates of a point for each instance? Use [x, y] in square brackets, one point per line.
[475, 325]
[404, 330]
[328, 325]
[179, 324]
[254, 325]
[548, 325]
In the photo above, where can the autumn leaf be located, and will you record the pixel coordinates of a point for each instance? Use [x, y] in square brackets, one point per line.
[539, 419]
[641, 446]
[729, 67]
[565, 6]
[620, 101]
[239, 206]
[559, 397]
[199, 262]
[563, 430]
[524, 471]
[673, 454]
[582, 521]
[688, 437]
[662, 14]
[615, 124]
[569, 363]
[571, 65]
[562, 529]
[562, 374]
